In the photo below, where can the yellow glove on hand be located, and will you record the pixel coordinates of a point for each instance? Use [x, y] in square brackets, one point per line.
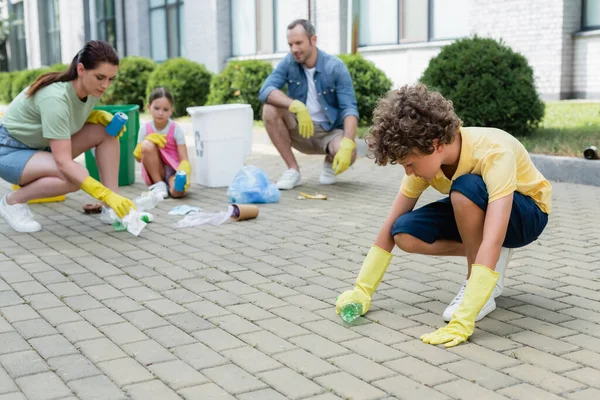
[305, 124]
[158, 139]
[103, 117]
[374, 266]
[187, 168]
[121, 205]
[477, 292]
[343, 158]
[137, 152]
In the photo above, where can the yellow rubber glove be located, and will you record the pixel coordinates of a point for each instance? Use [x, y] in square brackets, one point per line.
[158, 139]
[103, 117]
[371, 273]
[477, 292]
[305, 124]
[137, 152]
[121, 205]
[343, 158]
[187, 168]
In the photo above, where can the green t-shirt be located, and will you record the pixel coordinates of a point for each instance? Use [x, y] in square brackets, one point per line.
[54, 112]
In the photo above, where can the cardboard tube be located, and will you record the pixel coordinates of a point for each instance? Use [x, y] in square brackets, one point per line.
[246, 211]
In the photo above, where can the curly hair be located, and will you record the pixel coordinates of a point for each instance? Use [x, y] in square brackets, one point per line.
[407, 121]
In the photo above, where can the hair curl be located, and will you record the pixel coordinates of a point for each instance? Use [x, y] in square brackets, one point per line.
[407, 121]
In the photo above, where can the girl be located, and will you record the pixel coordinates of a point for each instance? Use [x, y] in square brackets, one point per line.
[161, 147]
[48, 125]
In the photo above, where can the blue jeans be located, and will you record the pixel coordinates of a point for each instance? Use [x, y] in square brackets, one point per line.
[436, 220]
[14, 155]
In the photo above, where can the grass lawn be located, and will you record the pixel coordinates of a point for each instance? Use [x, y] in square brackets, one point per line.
[568, 127]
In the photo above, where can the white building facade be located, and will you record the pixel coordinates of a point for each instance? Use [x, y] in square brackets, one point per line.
[560, 38]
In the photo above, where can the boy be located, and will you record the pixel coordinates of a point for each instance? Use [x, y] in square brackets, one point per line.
[497, 201]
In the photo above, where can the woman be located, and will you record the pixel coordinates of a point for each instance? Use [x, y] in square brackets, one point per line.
[48, 125]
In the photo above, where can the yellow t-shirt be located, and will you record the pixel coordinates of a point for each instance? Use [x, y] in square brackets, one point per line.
[500, 159]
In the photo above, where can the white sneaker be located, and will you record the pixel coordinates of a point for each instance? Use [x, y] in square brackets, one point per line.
[451, 309]
[327, 175]
[289, 180]
[19, 217]
[503, 260]
[160, 188]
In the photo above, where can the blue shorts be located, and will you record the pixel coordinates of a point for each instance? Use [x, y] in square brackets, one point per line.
[436, 221]
[14, 155]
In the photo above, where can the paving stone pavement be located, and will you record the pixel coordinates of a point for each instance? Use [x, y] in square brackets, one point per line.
[246, 310]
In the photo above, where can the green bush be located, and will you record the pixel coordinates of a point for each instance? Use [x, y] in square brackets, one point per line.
[370, 84]
[490, 85]
[240, 82]
[6, 79]
[24, 78]
[188, 82]
[58, 68]
[129, 86]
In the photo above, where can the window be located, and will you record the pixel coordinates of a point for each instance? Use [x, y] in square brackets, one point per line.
[51, 33]
[377, 22]
[166, 29]
[106, 25]
[260, 26]
[18, 43]
[591, 14]
[243, 27]
[403, 21]
[285, 12]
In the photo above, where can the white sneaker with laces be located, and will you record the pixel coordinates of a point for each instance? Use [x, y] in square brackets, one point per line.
[327, 175]
[290, 179]
[160, 188]
[19, 217]
[451, 309]
[503, 260]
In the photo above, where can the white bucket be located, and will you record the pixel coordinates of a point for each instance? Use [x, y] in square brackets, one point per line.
[223, 139]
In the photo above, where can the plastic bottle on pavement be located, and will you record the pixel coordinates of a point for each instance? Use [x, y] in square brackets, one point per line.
[350, 311]
[147, 201]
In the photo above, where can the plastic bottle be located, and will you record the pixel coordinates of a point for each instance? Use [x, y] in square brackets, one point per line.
[350, 311]
[147, 201]
[180, 179]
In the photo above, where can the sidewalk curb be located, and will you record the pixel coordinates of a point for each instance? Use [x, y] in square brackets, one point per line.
[568, 169]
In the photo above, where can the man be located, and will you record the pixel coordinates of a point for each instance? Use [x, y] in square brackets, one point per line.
[318, 115]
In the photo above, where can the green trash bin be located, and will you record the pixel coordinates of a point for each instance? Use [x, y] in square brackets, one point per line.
[128, 142]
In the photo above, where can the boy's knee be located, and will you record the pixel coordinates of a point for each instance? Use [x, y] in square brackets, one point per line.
[468, 181]
[459, 200]
[468, 190]
[407, 243]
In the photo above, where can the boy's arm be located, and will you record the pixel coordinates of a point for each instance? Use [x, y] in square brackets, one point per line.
[495, 226]
[377, 260]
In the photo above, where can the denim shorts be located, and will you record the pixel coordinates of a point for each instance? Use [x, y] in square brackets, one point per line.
[14, 155]
[436, 221]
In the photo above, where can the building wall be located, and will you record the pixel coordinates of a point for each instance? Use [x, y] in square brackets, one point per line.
[403, 64]
[586, 66]
[207, 38]
[535, 28]
[566, 63]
